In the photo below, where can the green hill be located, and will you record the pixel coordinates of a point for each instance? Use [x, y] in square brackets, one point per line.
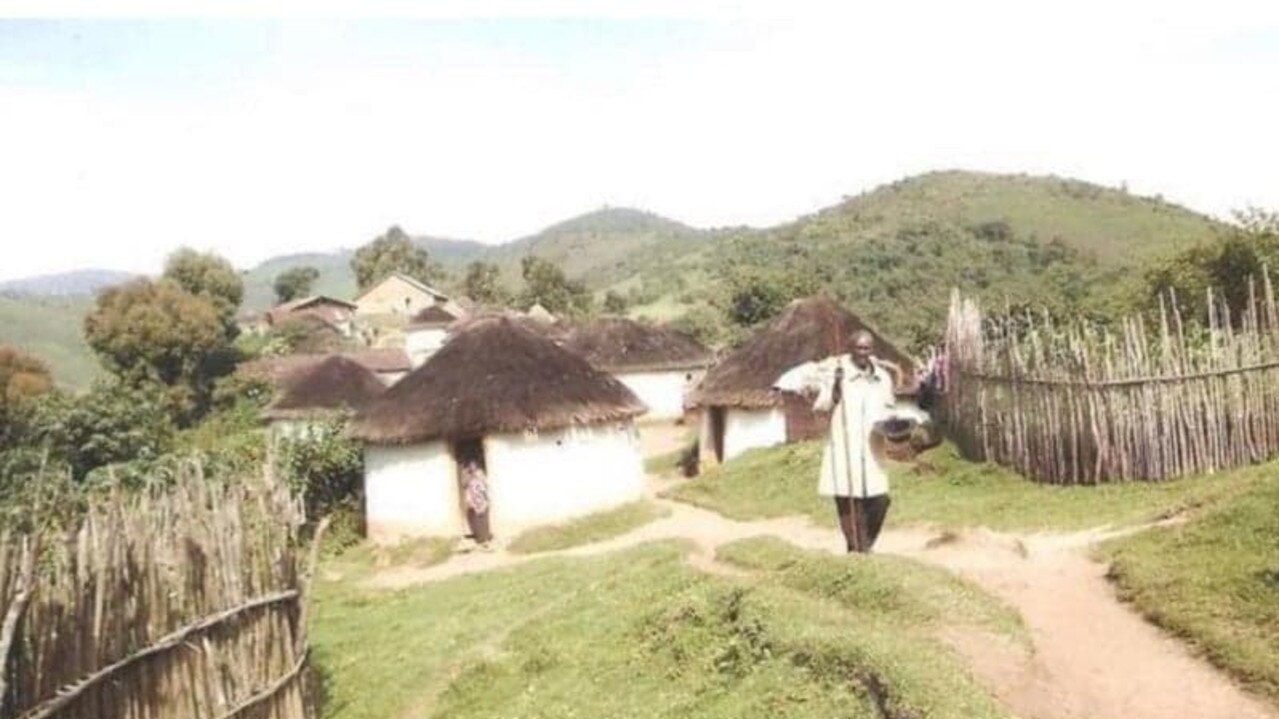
[1115, 226]
[604, 246]
[892, 253]
[50, 328]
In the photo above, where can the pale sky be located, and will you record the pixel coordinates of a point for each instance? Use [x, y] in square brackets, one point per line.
[121, 139]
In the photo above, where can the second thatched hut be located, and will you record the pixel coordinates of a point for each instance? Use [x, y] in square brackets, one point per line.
[738, 407]
[659, 364]
[318, 390]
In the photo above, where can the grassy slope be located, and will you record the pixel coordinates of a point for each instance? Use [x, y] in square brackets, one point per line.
[1215, 580]
[50, 328]
[640, 634]
[336, 278]
[603, 247]
[1117, 227]
[586, 530]
[951, 493]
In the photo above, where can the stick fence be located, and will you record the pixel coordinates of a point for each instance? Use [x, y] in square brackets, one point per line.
[182, 603]
[1069, 403]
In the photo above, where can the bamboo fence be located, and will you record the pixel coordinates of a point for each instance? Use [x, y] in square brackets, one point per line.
[186, 602]
[1070, 403]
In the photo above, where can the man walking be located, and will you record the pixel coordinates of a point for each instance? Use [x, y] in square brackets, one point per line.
[857, 391]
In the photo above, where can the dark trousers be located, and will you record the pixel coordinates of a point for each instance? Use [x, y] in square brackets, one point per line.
[861, 519]
[479, 525]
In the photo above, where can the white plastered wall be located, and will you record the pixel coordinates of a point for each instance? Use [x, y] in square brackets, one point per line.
[421, 343]
[554, 475]
[663, 391]
[746, 429]
[411, 491]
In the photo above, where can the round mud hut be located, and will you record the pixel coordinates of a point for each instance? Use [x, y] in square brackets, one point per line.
[736, 401]
[317, 390]
[553, 436]
[659, 364]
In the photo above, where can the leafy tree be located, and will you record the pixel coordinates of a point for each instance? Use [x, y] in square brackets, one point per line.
[156, 331]
[546, 284]
[614, 302]
[210, 277]
[757, 296]
[1225, 266]
[295, 282]
[393, 251]
[113, 422]
[702, 322]
[22, 378]
[482, 284]
[326, 468]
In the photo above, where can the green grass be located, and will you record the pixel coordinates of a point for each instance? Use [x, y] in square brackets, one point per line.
[918, 595]
[948, 492]
[1214, 581]
[363, 560]
[585, 530]
[635, 634]
[662, 465]
[51, 329]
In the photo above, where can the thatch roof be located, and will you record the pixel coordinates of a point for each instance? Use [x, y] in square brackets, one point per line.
[434, 316]
[617, 344]
[805, 331]
[278, 369]
[382, 359]
[282, 311]
[334, 384]
[494, 375]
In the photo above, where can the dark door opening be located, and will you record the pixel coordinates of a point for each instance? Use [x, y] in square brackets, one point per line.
[473, 487]
[717, 416]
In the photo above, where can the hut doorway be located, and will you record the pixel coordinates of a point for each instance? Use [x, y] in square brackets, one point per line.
[717, 417]
[473, 487]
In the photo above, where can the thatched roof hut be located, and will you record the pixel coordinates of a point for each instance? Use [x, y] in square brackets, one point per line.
[617, 344]
[434, 316]
[806, 330]
[494, 375]
[335, 384]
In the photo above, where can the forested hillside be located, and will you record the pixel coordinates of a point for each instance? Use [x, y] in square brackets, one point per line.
[893, 254]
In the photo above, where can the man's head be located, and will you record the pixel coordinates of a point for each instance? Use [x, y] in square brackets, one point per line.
[863, 347]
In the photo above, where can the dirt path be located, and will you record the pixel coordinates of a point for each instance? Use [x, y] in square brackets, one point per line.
[1094, 658]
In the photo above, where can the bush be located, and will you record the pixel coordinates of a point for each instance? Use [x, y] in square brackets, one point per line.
[113, 422]
[327, 470]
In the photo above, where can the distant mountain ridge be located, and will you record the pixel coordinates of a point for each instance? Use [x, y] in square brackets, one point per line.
[76, 283]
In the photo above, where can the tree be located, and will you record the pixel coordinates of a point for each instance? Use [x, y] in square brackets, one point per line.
[295, 282]
[759, 295]
[113, 422]
[546, 284]
[1224, 266]
[326, 468]
[614, 303]
[482, 284]
[156, 331]
[210, 277]
[393, 251]
[22, 378]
